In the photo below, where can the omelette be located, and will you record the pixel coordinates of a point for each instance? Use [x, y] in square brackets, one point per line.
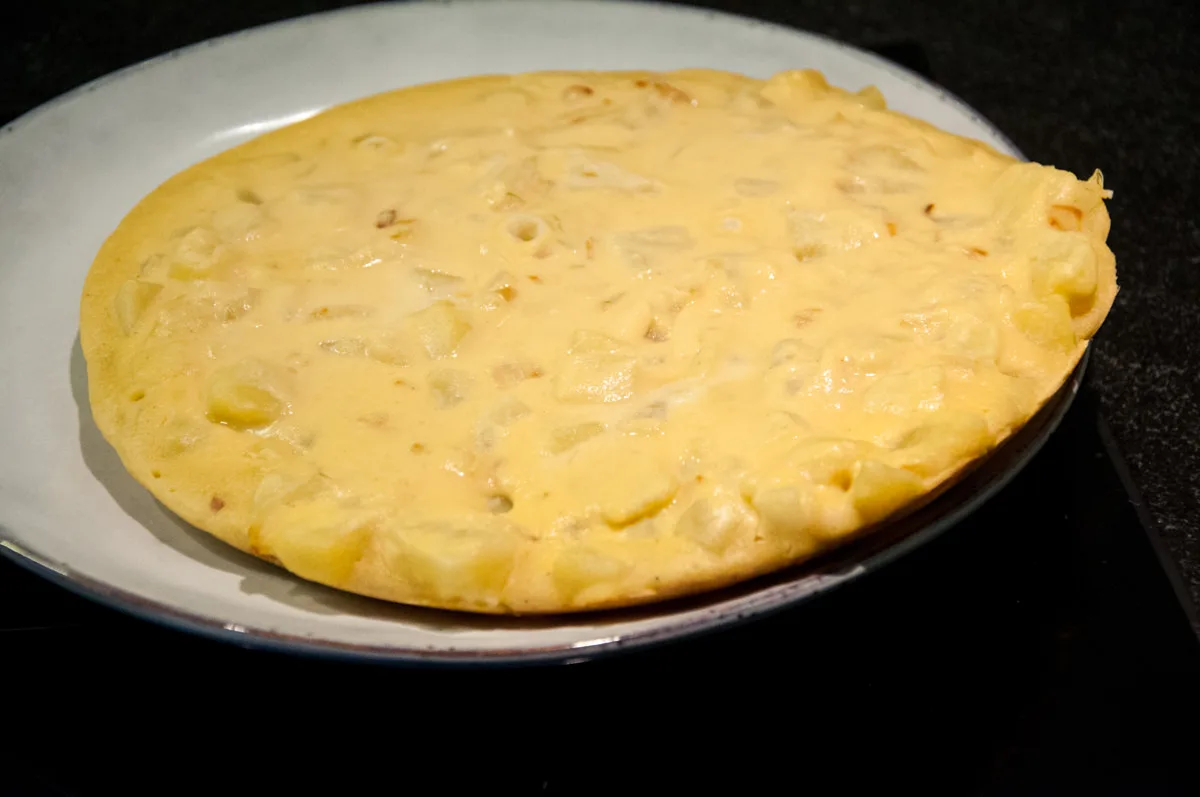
[563, 341]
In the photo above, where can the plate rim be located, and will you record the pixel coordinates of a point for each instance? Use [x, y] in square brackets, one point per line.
[910, 77]
[170, 616]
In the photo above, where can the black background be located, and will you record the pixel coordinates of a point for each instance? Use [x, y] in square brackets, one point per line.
[1036, 648]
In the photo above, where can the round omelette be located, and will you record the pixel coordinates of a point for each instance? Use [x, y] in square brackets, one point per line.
[563, 341]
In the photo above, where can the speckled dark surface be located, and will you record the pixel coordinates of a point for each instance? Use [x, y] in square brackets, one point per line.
[1075, 83]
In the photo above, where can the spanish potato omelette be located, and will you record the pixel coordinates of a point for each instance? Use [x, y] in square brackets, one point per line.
[563, 341]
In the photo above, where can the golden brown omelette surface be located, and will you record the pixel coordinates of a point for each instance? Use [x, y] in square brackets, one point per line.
[568, 340]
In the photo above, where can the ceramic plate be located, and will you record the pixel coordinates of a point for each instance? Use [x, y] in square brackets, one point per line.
[69, 172]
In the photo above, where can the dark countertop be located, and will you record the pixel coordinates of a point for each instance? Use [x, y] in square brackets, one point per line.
[1063, 672]
[1077, 84]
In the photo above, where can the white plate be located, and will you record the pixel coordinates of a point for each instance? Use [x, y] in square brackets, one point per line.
[71, 169]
